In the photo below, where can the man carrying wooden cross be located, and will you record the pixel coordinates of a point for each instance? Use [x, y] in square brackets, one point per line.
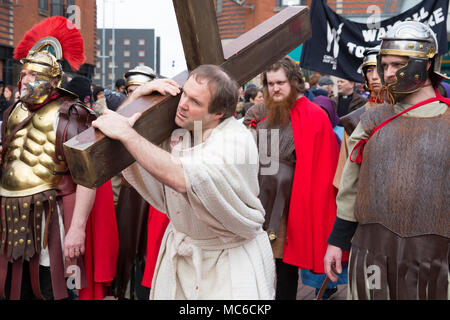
[214, 246]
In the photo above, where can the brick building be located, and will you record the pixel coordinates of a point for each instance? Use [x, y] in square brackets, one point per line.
[18, 16]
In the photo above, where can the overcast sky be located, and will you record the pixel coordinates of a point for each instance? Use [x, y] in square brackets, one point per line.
[148, 14]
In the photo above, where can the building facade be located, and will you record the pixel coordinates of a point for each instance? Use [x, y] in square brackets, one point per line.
[19, 16]
[120, 50]
[236, 17]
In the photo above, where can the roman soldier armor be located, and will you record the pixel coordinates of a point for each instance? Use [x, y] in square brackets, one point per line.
[402, 200]
[35, 178]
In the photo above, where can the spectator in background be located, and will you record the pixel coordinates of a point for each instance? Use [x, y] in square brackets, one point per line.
[8, 93]
[315, 90]
[111, 100]
[252, 96]
[81, 86]
[4, 103]
[347, 100]
[326, 84]
[326, 104]
[98, 93]
[120, 86]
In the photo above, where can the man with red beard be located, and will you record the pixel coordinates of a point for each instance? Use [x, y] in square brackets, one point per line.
[304, 150]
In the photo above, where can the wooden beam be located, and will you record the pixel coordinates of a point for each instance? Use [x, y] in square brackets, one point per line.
[199, 32]
[93, 158]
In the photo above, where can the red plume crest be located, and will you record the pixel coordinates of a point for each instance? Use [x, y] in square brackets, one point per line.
[60, 28]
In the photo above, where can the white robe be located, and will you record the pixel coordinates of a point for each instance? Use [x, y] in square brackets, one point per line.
[214, 246]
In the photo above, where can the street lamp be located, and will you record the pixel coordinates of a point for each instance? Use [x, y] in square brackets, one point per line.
[104, 56]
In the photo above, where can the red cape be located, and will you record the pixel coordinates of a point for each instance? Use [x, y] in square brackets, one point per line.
[157, 224]
[312, 208]
[102, 245]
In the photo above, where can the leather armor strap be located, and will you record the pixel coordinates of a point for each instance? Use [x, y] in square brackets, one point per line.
[34, 276]
[56, 260]
[16, 280]
[3, 274]
[22, 220]
[73, 119]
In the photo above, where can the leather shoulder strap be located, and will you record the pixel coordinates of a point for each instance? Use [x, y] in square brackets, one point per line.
[74, 117]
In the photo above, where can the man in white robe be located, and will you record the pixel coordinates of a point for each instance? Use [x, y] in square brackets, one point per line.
[214, 246]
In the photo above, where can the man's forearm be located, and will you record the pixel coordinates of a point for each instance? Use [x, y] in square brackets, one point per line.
[159, 163]
[83, 205]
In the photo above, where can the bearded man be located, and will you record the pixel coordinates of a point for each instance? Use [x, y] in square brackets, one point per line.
[296, 186]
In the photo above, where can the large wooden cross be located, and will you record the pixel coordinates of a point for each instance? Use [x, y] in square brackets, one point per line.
[93, 158]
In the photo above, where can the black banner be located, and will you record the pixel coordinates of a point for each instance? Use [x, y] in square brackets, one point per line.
[337, 44]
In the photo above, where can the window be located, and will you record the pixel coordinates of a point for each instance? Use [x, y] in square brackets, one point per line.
[58, 8]
[111, 42]
[142, 64]
[126, 42]
[110, 65]
[112, 53]
[98, 53]
[97, 76]
[141, 42]
[126, 53]
[126, 65]
[110, 76]
[43, 7]
[141, 53]
[286, 3]
[98, 65]
[99, 42]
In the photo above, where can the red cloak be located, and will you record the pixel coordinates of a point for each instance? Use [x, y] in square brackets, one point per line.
[312, 208]
[157, 224]
[101, 245]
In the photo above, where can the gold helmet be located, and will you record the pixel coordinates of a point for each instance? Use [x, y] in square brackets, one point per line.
[42, 49]
[44, 58]
[139, 75]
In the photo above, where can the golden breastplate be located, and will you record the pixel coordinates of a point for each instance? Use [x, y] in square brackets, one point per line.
[28, 166]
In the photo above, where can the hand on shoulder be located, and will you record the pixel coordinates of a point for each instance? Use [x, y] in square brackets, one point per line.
[163, 86]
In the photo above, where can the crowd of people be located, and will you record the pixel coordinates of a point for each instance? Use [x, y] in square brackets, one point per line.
[344, 181]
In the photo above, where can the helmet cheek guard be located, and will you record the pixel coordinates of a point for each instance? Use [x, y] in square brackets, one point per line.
[409, 78]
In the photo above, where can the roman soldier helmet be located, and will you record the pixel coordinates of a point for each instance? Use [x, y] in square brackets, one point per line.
[369, 60]
[418, 42]
[139, 76]
[42, 50]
